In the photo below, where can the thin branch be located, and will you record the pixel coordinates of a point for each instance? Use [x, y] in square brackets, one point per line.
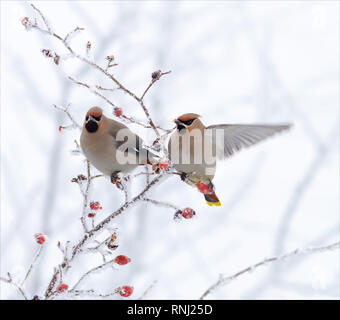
[147, 290]
[10, 281]
[123, 116]
[91, 271]
[226, 280]
[74, 122]
[52, 283]
[32, 264]
[71, 34]
[155, 77]
[85, 195]
[49, 30]
[104, 222]
[92, 90]
[160, 203]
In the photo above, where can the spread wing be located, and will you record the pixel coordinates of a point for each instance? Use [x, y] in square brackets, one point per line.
[230, 138]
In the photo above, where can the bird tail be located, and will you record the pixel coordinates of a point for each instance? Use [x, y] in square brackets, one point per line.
[212, 200]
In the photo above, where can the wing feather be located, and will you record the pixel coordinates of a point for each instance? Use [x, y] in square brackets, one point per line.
[230, 138]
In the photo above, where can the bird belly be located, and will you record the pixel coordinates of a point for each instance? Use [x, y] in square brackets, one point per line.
[105, 159]
[192, 160]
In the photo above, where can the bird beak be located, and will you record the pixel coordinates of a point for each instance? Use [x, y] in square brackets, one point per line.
[177, 121]
[91, 118]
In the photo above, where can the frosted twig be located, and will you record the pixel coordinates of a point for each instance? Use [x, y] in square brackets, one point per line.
[104, 89]
[10, 281]
[92, 90]
[85, 196]
[71, 34]
[93, 294]
[225, 280]
[91, 271]
[161, 204]
[147, 290]
[63, 109]
[49, 30]
[52, 283]
[104, 222]
[123, 117]
[155, 77]
[32, 264]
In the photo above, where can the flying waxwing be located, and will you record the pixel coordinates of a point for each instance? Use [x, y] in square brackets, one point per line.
[110, 146]
[193, 148]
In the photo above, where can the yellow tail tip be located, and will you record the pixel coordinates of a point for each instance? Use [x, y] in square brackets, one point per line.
[217, 204]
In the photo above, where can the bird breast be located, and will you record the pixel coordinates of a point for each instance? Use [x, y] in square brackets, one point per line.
[193, 152]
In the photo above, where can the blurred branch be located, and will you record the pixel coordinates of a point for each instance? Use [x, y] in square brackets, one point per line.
[19, 287]
[32, 264]
[155, 77]
[161, 204]
[150, 287]
[226, 280]
[102, 266]
[65, 109]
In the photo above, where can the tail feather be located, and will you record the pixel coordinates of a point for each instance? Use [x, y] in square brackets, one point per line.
[212, 199]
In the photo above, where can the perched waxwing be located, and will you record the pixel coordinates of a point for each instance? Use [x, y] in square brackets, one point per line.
[110, 146]
[193, 148]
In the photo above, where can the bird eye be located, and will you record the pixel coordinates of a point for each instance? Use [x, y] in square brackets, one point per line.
[97, 118]
[188, 122]
[87, 118]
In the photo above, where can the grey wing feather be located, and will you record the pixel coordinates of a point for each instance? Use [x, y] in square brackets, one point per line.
[131, 141]
[231, 138]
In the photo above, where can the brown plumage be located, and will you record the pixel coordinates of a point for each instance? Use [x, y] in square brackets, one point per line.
[194, 148]
[109, 145]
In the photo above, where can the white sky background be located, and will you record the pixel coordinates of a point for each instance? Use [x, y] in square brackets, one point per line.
[231, 62]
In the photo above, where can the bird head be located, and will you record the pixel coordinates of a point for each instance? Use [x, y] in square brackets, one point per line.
[93, 119]
[186, 122]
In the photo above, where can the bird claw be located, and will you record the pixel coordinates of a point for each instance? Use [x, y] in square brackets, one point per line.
[115, 179]
[184, 176]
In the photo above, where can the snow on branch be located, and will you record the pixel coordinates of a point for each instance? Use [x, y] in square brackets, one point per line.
[226, 280]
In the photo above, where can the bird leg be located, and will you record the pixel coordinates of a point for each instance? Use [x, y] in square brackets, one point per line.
[115, 179]
[184, 176]
[188, 178]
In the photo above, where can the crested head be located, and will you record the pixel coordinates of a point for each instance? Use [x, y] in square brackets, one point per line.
[186, 122]
[93, 119]
[94, 112]
[188, 116]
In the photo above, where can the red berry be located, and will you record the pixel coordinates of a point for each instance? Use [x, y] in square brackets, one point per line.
[121, 260]
[126, 291]
[24, 21]
[47, 53]
[95, 205]
[188, 213]
[91, 215]
[62, 287]
[117, 111]
[40, 238]
[202, 187]
[163, 165]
